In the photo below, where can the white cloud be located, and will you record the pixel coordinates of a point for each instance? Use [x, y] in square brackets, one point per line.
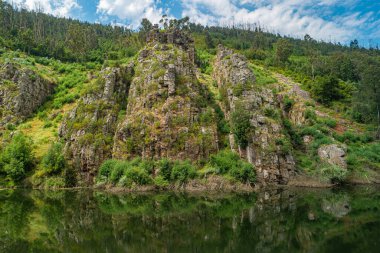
[61, 8]
[288, 17]
[131, 10]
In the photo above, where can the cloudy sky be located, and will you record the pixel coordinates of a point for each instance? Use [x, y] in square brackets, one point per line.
[329, 20]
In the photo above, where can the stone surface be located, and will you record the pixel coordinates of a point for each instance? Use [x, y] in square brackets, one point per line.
[273, 163]
[89, 128]
[22, 91]
[167, 114]
[333, 154]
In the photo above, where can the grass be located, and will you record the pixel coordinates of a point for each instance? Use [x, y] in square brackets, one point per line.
[263, 76]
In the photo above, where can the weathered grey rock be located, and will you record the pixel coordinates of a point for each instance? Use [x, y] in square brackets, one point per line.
[89, 128]
[163, 117]
[273, 163]
[333, 154]
[22, 91]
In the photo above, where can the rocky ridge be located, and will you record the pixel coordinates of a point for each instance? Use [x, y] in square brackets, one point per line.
[167, 113]
[266, 145]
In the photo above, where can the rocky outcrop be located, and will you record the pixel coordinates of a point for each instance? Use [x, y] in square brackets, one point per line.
[89, 128]
[22, 91]
[267, 147]
[333, 154]
[167, 113]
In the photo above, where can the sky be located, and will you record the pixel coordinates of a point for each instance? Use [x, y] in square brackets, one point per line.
[328, 20]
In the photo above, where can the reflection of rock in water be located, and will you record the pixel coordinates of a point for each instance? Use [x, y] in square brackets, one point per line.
[338, 206]
[273, 218]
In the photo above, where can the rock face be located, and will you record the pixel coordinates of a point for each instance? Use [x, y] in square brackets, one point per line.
[267, 146]
[333, 154]
[22, 91]
[167, 113]
[89, 128]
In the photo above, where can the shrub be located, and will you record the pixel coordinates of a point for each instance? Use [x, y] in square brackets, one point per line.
[244, 173]
[229, 163]
[240, 121]
[106, 168]
[138, 176]
[118, 171]
[182, 171]
[334, 173]
[271, 113]
[161, 182]
[288, 103]
[310, 114]
[54, 161]
[164, 167]
[224, 161]
[330, 122]
[17, 157]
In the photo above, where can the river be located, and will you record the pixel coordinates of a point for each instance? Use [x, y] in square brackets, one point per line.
[277, 220]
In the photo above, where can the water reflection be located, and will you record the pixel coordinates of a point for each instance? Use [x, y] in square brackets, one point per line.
[275, 220]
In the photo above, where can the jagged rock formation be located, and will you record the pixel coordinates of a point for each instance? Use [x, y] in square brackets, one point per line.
[89, 128]
[167, 112]
[267, 146]
[22, 91]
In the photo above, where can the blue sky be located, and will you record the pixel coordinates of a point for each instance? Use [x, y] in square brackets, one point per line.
[328, 20]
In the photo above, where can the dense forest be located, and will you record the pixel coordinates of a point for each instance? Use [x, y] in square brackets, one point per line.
[78, 59]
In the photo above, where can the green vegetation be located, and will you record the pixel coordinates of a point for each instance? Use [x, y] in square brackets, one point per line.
[241, 127]
[16, 159]
[164, 172]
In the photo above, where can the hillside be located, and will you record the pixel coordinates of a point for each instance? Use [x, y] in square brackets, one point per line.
[186, 107]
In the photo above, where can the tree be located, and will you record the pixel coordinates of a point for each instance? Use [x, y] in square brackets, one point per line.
[326, 89]
[17, 158]
[283, 50]
[240, 120]
[354, 44]
[208, 40]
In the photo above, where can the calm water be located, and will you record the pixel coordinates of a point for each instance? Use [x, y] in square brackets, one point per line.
[273, 221]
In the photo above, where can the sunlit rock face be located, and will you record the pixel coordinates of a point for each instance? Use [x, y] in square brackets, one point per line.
[89, 128]
[267, 147]
[167, 113]
[22, 91]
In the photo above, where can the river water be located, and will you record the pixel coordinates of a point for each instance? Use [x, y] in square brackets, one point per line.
[277, 220]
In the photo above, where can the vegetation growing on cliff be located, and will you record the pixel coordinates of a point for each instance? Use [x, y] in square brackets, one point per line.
[342, 82]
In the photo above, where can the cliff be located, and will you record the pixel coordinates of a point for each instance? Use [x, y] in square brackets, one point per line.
[263, 142]
[22, 91]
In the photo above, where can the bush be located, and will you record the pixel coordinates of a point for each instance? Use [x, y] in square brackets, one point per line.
[17, 158]
[164, 167]
[118, 171]
[138, 176]
[54, 161]
[182, 171]
[244, 173]
[224, 161]
[334, 173]
[241, 126]
[288, 103]
[229, 163]
[107, 167]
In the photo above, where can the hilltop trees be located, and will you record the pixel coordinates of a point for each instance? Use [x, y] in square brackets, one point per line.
[283, 50]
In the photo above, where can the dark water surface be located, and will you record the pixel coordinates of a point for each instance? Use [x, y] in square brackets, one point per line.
[291, 220]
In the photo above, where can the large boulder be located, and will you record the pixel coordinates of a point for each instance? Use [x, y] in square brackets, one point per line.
[333, 154]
